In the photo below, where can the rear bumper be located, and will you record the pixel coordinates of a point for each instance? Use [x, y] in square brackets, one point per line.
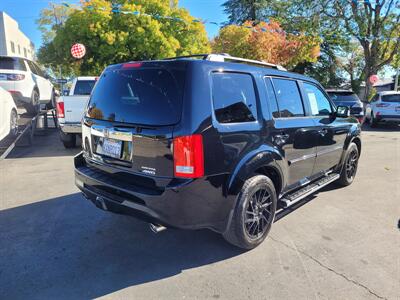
[388, 118]
[186, 204]
[71, 128]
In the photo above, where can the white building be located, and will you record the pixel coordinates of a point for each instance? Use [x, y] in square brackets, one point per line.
[13, 42]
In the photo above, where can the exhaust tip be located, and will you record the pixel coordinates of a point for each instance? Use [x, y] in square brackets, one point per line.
[156, 228]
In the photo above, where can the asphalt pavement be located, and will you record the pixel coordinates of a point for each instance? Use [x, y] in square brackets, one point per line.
[343, 243]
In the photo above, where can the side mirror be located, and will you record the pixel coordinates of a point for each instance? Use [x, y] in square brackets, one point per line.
[343, 111]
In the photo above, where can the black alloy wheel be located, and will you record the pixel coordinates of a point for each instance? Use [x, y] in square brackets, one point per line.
[352, 164]
[258, 213]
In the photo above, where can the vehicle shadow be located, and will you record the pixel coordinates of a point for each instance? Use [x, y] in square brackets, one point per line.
[381, 128]
[46, 143]
[66, 248]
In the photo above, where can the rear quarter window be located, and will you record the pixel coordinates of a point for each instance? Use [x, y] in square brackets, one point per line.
[234, 97]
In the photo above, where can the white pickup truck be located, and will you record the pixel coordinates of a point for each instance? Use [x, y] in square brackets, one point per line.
[70, 109]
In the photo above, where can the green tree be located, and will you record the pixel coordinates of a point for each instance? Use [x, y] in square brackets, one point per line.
[374, 25]
[112, 37]
[240, 11]
[53, 18]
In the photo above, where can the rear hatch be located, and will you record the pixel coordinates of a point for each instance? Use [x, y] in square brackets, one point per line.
[131, 114]
[348, 99]
[391, 104]
[12, 69]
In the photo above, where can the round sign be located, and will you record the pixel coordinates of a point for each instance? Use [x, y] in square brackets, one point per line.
[78, 50]
[373, 79]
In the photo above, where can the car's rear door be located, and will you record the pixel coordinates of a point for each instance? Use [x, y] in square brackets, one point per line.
[332, 131]
[293, 131]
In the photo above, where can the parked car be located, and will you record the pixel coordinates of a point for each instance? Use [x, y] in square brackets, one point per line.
[215, 142]
[8, 115]
[350, 99]
[26, 82]
[384, 108]
[70, 109]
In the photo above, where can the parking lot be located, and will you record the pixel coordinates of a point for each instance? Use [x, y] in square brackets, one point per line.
[342, 244]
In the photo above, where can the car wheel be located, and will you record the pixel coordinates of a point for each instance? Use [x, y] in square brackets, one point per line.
[13, 123]
[52, 103]
[33, 107]
[350, 166]
[68, 139]
[254, 213]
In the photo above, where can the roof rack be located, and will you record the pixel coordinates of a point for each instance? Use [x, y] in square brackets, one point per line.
[224, 57]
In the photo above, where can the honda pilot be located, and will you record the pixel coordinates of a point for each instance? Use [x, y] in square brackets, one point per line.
[211, 141]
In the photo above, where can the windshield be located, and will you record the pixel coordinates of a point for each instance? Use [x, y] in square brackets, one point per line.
[84, 87]
[339, 97]
[150, 96]
[10, 63]
[391, 98]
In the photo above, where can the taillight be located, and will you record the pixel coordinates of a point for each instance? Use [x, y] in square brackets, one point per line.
[15, 77]
[60, 109]
[132, 65]
[382, 105]
[188, 156]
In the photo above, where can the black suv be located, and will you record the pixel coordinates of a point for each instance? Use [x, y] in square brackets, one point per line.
[211, 141]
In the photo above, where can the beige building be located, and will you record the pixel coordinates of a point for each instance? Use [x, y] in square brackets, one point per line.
[13, 42]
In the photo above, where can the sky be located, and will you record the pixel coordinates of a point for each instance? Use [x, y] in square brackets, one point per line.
[25, 12]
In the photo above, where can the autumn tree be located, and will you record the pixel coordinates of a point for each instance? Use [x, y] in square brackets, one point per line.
[145, 29]
[267, 42]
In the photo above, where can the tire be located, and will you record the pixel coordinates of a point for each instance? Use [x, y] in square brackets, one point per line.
[13, 123]
[350, 166]
[68, 139]
[33, 107]
[52, 103]
[373, 123]
[254, 213]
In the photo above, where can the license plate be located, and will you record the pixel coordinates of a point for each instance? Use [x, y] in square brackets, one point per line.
[112, 148]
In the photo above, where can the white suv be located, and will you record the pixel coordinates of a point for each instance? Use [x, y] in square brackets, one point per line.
[384, 107]
[26, 82]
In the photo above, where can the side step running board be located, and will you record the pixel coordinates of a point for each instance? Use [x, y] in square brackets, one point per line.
[298, 195]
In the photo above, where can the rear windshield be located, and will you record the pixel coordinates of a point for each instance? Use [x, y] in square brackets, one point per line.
[391, 98]
[344, 97]
[148, 96]
[84, 87]
[11, 63]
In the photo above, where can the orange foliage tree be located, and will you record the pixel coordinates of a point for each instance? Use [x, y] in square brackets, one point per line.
[267, 42]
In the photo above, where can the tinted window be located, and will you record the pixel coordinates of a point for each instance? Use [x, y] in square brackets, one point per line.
[10, 63]
[391, 98]
[149, 96]
[344, 96]
[84, 87]
[234, 98]
[319, 104]
[271, 98]
[289, 99]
